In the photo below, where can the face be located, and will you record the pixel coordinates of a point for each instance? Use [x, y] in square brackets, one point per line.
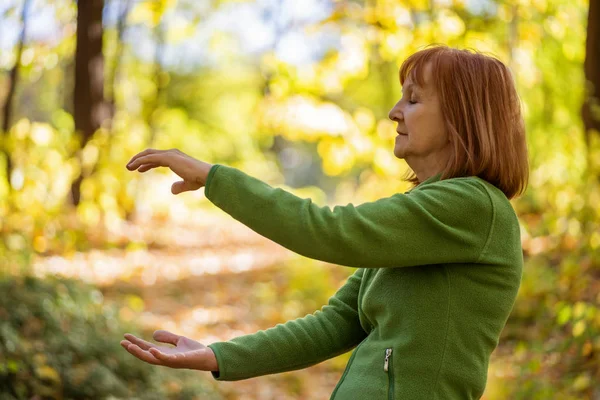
[422, 138]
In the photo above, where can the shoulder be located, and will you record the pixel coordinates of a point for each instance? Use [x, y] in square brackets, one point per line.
[457, 200]
[470, 196]
[467, 189]
[476, 189]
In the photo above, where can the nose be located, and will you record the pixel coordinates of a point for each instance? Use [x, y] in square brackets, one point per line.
[396, 113]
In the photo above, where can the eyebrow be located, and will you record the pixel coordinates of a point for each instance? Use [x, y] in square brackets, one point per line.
[410, 86]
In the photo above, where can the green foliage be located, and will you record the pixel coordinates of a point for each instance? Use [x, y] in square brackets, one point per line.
[58, 339]
[554, 330]
[322, 123]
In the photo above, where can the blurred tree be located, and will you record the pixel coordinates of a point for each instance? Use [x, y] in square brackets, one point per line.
[155, 12]
[90, 108]
[12, 83]
[117, 59]
[323, 116]
[591, 105]
[160, 78]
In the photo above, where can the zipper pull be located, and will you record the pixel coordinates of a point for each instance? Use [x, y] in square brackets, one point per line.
[386, 363]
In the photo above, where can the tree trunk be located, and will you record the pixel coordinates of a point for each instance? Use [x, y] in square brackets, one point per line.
[591, 105]
[12, 84]
[90, 109]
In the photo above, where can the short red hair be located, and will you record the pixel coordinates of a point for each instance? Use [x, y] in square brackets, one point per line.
[482, 115]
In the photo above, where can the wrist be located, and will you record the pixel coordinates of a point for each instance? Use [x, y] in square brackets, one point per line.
[212, 363]
[202, 173]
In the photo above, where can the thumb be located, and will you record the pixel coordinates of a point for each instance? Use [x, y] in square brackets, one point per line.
[181, 186]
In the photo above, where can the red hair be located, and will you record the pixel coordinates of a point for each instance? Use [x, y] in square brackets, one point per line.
[482, 115]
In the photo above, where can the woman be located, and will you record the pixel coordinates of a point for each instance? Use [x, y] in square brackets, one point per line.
[439, 267]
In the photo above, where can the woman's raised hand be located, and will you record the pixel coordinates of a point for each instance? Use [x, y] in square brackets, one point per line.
[187, 353]
[193, 172]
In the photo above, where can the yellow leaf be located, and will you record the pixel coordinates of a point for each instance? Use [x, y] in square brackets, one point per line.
[578, 328]
[40, 244]
[582, 382]
[135, 303]
[564, 315]
[151, 12]
[587, 349]
[579, 309]
[48, 373]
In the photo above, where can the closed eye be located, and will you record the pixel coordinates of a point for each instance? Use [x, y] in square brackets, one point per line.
[410, 101]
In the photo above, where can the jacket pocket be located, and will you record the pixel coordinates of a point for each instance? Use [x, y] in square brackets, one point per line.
[388, 368]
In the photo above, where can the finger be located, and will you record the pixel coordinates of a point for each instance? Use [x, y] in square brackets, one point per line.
[149, 152]
[166, 337]
[147, 167]
[146, 153]
[140, 342]
[143, 355]
[141, 154]
[161, 159]
[171, 360]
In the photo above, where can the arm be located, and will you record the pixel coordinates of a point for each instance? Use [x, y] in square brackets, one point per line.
[444, 222]
[293, 345]
[297, 344]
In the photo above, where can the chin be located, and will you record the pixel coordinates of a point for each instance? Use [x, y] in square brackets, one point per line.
[398, 153]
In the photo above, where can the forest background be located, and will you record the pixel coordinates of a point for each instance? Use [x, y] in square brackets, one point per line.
[295, 93]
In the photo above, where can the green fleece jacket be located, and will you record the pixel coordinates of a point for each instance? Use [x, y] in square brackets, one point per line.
[439, 268]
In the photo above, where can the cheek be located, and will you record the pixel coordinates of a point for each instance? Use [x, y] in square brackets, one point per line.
[415, 123]
[409, 118]
[442, 135]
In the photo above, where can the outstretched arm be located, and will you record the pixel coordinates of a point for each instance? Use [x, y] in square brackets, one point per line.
[443, 222]
[296, 344]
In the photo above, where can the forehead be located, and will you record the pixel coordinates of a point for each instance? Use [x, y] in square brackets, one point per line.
[419, 79]
[418, 65]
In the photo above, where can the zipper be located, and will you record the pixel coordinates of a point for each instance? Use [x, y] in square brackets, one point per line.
[345, 371]
[386, 362]
[387, 367]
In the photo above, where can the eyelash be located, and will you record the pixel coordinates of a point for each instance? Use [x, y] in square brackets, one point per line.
[410, 101]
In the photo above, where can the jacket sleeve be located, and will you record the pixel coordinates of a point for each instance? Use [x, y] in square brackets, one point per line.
[296, 344]
[443, 222]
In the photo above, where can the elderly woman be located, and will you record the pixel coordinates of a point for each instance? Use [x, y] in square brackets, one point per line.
[438, 267]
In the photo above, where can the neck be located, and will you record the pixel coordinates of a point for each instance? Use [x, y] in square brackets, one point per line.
[427, 167]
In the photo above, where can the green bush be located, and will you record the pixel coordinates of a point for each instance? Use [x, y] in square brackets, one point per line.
[554, 330]
[58, 340]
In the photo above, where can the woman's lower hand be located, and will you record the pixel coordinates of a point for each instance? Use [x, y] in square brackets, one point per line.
[193, 172]
[187, 353]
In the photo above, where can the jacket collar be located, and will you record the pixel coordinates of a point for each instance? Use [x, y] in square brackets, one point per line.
[431, 179]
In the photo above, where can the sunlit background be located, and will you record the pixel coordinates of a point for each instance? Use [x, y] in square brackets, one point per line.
[297, 94]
